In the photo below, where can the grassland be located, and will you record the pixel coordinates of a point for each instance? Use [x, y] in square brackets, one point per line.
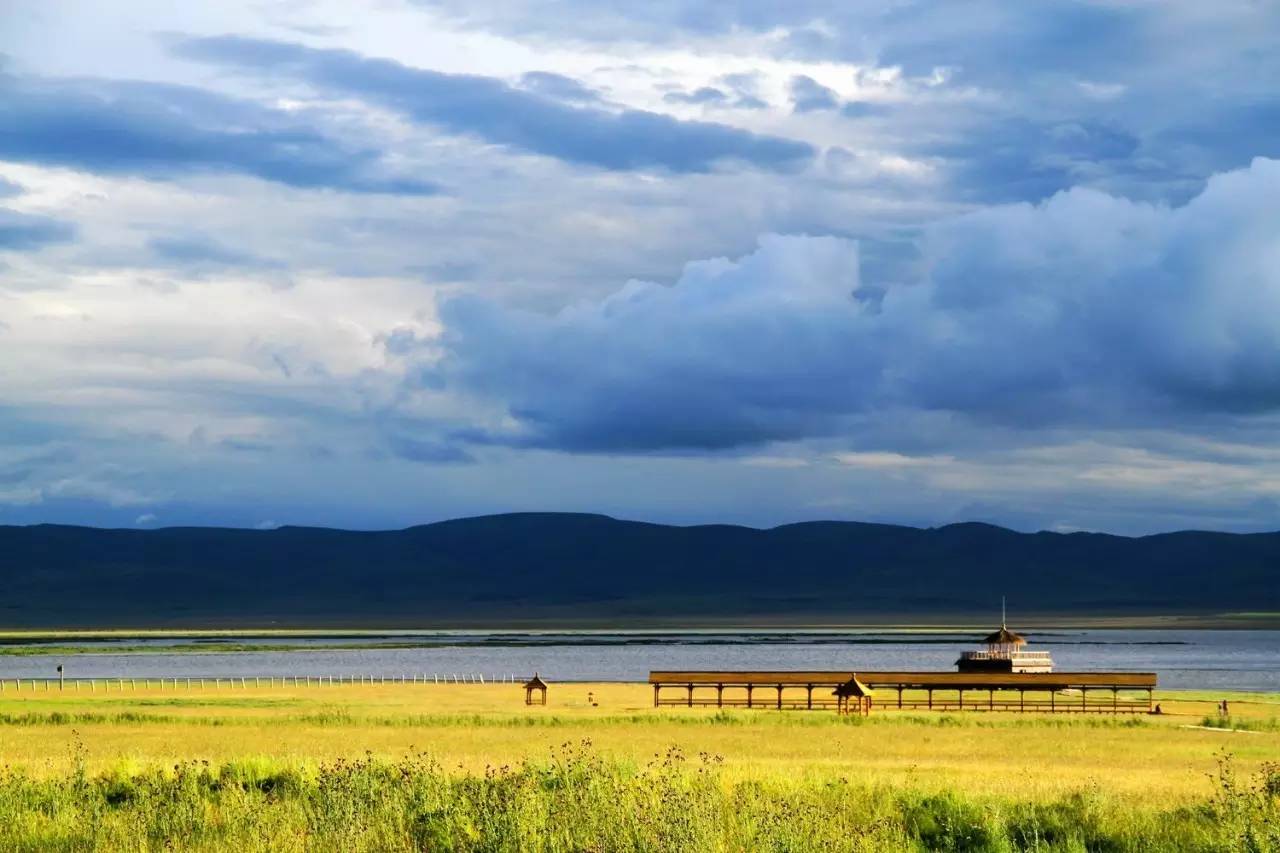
[474, 726]
[271, 765]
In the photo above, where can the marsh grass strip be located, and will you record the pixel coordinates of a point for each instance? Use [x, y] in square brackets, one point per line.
[345, 718]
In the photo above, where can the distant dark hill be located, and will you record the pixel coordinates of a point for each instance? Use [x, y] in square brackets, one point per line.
[513, 569]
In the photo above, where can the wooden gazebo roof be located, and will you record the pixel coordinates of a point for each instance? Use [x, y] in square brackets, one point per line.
[535, 683]
[1005, 637]
[852, 687]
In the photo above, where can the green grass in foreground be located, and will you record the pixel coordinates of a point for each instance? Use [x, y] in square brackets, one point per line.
[1239, 724]
[577, 800]
[338, 716]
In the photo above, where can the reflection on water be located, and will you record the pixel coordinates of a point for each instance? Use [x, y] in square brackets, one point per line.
[1198, 659]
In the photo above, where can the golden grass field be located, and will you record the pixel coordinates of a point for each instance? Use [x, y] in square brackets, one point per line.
[469, 727]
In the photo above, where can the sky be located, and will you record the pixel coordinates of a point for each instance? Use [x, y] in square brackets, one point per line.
[269, 262]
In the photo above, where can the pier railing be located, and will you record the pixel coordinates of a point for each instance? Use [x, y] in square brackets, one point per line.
[1027, 656]
[1059, 692]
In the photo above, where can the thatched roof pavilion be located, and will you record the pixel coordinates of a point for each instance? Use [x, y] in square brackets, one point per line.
[1005, 652]
[853, 693]
[535, 685]
[1005, 637]
[853, 688]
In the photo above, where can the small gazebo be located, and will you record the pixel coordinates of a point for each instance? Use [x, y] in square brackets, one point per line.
[853, 693]
[535, 685]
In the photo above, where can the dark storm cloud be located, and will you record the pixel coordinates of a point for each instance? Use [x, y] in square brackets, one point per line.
[863, 109]
[1224, 135]
[490, 109]
[428, 451]
[712, 97]
[1015, 159]
[558, 86]
[195, 250]
[991, 38]
[1187, 84]
[745, 87]
[23, 232]
[704, 95]
[808, 95]
[160, 130]
[1089, 310]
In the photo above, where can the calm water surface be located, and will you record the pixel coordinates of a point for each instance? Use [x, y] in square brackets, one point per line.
[1195, 659]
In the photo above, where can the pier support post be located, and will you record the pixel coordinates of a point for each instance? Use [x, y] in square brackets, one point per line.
[899, 697]
[750, 687]
[930, 698]
[656, 688]
[779, 697]
[808, 697]
[690, 695]
[719, 695]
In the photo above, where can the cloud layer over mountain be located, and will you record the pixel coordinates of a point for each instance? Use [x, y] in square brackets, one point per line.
[1085, 309]
[752, 262]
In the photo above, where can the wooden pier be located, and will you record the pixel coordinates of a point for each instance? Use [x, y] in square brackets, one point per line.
[1056, 692]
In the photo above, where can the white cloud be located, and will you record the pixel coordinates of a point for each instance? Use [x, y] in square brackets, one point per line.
[978, 352]
[886, 461]
[775, 461]
[1086, 309]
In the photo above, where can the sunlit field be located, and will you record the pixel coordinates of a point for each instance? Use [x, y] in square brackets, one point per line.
[443, 741]
[470, 727]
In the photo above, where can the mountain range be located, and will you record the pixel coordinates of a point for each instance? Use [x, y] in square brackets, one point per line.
[578, 569]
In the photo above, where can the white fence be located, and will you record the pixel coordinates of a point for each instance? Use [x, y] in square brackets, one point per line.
[93, 685]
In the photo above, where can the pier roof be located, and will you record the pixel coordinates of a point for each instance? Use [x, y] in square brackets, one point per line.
[1005, 637]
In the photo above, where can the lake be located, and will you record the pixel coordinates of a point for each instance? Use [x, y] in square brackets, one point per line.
[1190, 659]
